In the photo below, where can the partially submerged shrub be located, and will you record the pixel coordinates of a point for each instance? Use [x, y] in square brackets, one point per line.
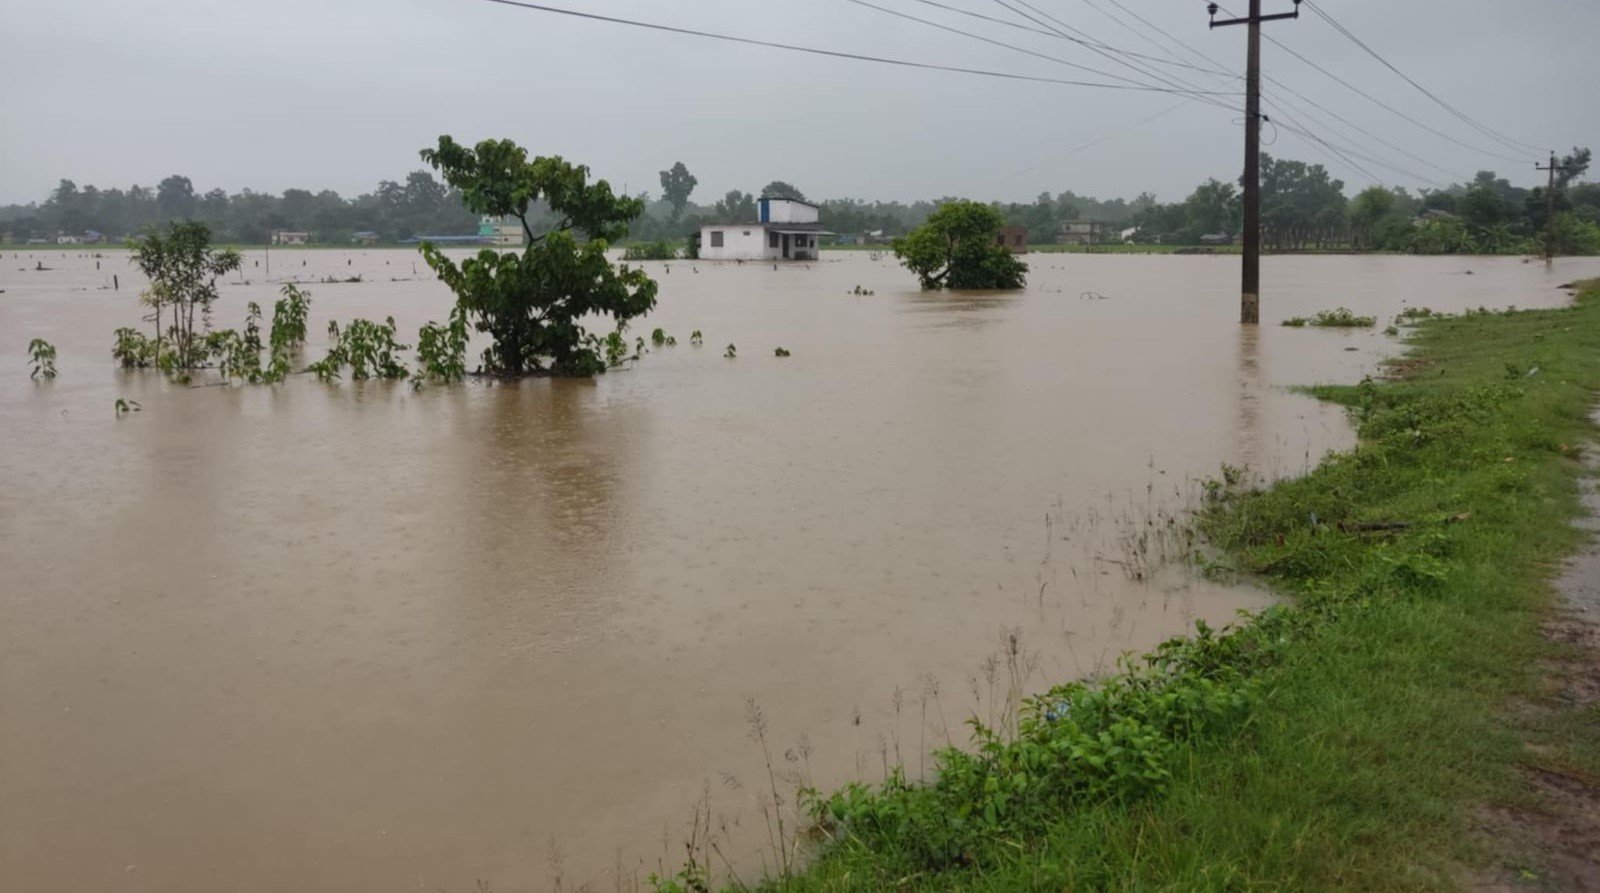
[42, 357]
[368, 348]
[442, 350]
[1342, 318]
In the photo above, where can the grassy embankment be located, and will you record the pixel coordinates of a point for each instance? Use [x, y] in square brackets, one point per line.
[1341, 741]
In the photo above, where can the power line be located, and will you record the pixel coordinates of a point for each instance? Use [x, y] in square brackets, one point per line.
[1384, 105]
[1059, 36]
[1486, 130]
[816, 51]
[1184, 88]
[993, 42]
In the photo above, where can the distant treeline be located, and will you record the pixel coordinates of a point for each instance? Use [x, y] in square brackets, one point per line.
[1302, 206]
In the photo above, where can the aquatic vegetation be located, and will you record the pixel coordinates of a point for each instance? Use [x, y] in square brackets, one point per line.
[530, 303]
[289, 317]
[958, 247]
[866, 292]
[695, 338]
[731, 352]
[781, 352]
[368, 348]
[42, 359]
[183, 271]
[660, 338]
[442, 350]
[1341, 318]
[124, 406]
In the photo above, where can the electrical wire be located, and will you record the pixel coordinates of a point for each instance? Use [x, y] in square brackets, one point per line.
[998, 43]
[1513, 144]
[817, 51]
[1380, 103]
[1056, 34]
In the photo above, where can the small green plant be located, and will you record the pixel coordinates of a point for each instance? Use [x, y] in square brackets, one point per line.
[1391, 331]
[289, 317]
[731, 352]
[442, 351]
[695, 338]
[233, 356]
[1341, 318]
[122, 406]
[42, 357]
[660, 338]
[132, 349]
[781, 352]
[368, 348]
[865, 292]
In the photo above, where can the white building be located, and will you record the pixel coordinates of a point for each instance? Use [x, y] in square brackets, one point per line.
[787, 230]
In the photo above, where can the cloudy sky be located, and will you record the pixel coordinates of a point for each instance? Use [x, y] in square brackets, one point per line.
[339, 94]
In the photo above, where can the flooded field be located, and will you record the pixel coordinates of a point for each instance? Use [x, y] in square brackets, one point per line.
[356, 637]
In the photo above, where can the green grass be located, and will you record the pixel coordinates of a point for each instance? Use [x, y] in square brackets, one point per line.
[1339, 742]
[1342, 318]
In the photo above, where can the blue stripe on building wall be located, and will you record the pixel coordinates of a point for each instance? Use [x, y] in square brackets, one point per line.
[766, 210]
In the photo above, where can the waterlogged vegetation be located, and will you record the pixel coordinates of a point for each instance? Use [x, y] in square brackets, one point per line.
[1340, 740]
[41, 359]
[958, 248]
[652, 251]
[1341, 318]
[530, 303]
[366, 348]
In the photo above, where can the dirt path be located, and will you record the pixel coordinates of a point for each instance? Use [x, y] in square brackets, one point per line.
[1557, 831]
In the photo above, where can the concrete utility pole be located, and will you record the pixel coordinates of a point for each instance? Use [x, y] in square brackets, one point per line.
[1550, 207]
[1250, 293]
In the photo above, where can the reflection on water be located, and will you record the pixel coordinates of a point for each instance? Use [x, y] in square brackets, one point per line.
[321, 638]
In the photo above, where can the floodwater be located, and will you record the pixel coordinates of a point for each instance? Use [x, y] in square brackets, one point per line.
[356, 637]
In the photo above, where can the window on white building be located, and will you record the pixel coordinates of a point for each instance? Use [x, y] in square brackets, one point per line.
[716, 238]
[772, 240]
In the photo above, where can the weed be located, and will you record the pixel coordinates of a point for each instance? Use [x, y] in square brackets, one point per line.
[731, 352]
[695, 338]
[1337, 742]
[442, 351]
[780, 352]
[368, 348]
[1342, 318]
[42, 359]
[122, 406]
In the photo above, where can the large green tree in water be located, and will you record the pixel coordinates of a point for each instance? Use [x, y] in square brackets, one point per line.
[959, 247]
[530, 303]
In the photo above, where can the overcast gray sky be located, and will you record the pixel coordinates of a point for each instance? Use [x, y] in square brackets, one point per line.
[339, 94]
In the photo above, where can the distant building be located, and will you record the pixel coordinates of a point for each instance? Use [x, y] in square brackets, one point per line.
[1216, 239]
[285, 237]
[365, 237]
[94, 237]
[1014, 238]
[787, 229]
[1082, 232]
[496, 231]
[69, 239]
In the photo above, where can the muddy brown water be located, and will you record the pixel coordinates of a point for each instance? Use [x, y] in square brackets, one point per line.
[357, 637]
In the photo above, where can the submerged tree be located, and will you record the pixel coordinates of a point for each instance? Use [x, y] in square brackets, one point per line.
[183, 271]
[959, 247]
[531, 303]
